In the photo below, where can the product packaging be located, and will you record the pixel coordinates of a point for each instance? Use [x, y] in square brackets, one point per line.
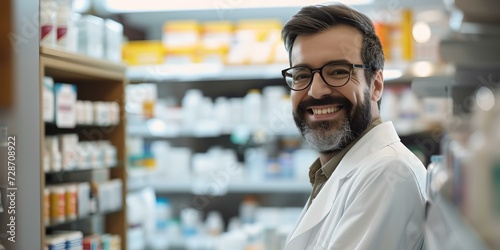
[91, 36]
[252, 102]
[180, 40]
[67, 146]
[46, 206]
[48, 29]
[65, 99]
[216, 38]
[65, 26]
[83, 194]
[48, 99]
[113, 39]
[71, 197]
[143, 53]
[57, 204]
[52, 145]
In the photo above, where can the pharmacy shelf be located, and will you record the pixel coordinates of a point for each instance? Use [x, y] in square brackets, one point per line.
[81, 219]
[160, 130]
[50, 125]
[268, 186]
[446, 229]
[140, 178]
[96, 80]
[219, 72]
[203, 72]
[65, 172]
[156, 128]
[472, 52]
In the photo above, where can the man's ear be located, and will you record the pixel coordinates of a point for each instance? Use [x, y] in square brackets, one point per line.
[377, 87]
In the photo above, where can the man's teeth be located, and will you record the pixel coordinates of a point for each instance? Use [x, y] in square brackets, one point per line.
[325, 111]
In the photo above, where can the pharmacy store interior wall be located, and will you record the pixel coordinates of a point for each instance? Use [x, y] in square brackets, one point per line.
[210, 140]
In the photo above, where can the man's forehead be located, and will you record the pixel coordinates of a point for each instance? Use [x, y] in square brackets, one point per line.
[339, 42]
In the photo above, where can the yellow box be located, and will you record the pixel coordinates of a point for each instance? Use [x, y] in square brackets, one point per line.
[264, 29]
[181, 37]
[255, 41]
[143, 52]
[216, 39]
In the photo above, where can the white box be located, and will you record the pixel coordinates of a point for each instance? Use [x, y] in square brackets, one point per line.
[48, 99]
[91, 36]
[113, 39]
[52, 145]
[67, 146]
[83, 199]
[65, 99]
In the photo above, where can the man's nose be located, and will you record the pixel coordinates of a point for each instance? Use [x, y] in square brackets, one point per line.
[318, 87]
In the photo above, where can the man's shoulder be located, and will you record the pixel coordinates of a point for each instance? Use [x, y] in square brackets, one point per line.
[394, 162]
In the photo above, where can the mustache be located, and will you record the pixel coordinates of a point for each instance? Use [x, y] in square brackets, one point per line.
[327, 100]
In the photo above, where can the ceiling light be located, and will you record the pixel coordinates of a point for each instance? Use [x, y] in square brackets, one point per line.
[120, 6]
[391, 74]
[421, 32]
[422, 69]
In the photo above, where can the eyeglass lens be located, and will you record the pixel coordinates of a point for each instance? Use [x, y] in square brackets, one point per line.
[332, 74]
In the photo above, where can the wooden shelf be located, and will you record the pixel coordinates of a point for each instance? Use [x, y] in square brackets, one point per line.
[81, 170]
[72, 66]
[6, 63]
[96, 80]
[80, 219]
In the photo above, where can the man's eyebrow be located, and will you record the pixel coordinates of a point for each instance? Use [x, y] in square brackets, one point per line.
[306, 65]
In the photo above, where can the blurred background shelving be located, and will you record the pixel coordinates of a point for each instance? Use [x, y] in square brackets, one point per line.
[194, 152]
[84, 187]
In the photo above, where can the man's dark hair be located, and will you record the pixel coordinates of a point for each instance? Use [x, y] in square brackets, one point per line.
[314, 19]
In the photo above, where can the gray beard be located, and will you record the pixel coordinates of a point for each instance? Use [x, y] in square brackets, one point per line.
[323, 140]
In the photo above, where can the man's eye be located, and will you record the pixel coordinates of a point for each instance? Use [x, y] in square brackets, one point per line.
[337, 72]
[301, 76]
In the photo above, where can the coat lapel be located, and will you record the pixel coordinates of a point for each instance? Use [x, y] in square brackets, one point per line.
[376, 139]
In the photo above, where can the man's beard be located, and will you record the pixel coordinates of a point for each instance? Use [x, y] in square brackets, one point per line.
[331, 136]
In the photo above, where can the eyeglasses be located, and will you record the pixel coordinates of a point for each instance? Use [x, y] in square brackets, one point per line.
[334, 74]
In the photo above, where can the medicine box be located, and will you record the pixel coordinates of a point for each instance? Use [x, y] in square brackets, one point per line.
[48, 99]
[65, 99]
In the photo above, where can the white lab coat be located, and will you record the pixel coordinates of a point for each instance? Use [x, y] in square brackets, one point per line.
[375, 199]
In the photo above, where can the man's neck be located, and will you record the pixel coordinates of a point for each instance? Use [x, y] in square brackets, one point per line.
[325, 157]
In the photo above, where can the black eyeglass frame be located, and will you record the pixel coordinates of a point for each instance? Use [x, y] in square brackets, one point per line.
[320, 71]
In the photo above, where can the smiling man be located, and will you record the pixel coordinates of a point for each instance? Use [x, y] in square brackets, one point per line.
[368, 188]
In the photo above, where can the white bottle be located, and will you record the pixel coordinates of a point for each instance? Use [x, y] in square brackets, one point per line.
[236, 110]
[64, 23]
[252, 108]
[433, 184]
[389, 106]
[409, 114]
[161, 153]
[222, 111]
[190, 108]
[48, 30]
[214, 224]
[163, 213]
[248, 209]
[255, 163]
[271, 97]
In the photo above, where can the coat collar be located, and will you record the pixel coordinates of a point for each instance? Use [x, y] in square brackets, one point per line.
[376, 139]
